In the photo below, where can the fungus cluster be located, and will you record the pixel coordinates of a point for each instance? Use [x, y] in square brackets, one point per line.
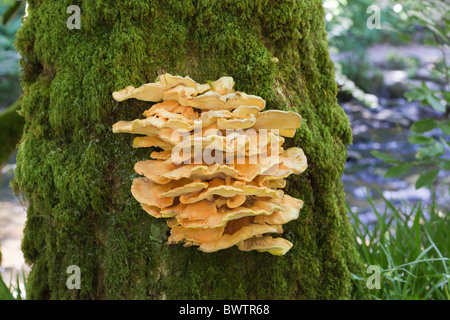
[221, 167]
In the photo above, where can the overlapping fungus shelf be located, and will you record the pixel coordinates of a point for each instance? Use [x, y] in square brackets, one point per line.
[210, 201]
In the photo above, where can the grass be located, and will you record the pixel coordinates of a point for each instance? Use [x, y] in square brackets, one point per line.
[411, 246]
[12, 292]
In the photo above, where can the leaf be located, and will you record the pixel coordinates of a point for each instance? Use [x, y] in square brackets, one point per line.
[434, 150]
[404, 37]
[435, 103]
[445, 165]
[11, 11]
[419, 139]
[415, 94]
[424, 125]
[426, 179]
[5, 294]
[383, 156]
[425, 87]
[445, 127]
[398, 170]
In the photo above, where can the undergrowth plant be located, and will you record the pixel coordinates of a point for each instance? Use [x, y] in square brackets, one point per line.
[410, 244]
[432, 155]
[13, 292]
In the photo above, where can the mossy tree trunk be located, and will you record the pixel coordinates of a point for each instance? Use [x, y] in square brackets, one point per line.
[75, 174]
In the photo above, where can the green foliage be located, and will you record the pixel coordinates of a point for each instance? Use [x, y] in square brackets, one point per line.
[13, 8]
[383, 156]
[431, 14]
[5, 293]
[348, 30]
[398, 170]
[411, 245]
[419, 139]
[426, 179]
[433, 150]
[349, 38]
[431, 156]
[9, 66]
[428, 97]
[13, 292]
[424, 125]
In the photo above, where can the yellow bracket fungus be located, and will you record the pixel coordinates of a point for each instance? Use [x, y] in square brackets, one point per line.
[214, 204]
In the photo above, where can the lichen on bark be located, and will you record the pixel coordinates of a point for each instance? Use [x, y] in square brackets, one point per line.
[76, 175]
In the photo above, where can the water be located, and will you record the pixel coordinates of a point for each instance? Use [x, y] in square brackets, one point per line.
[386, 130]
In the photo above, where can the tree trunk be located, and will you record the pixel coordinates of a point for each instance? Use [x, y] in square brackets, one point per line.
[75, 174]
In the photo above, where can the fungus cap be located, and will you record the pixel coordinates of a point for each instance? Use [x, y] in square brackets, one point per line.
[277, 246]
[214, 205]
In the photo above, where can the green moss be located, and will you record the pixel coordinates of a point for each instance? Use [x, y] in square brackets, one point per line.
[76, 175]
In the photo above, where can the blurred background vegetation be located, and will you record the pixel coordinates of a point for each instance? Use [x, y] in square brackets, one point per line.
[394, 86]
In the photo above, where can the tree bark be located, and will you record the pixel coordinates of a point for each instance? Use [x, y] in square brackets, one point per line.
[75, 174]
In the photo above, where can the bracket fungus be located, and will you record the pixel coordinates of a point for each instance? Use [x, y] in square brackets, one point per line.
[226, 187]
